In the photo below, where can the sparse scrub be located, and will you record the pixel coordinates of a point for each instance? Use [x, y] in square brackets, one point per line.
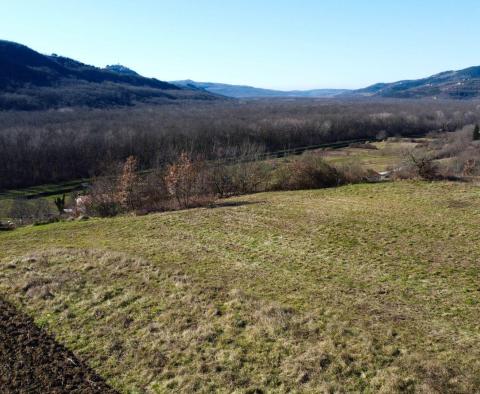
[422, 165]
[188, 183]
[23, 211]
[453, 155]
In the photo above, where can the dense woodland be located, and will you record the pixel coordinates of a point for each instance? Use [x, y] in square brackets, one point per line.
[50, 146]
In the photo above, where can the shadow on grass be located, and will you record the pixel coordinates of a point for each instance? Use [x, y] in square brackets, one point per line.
[226, 204]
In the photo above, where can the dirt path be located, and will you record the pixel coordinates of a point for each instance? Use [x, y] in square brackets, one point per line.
[31, 361]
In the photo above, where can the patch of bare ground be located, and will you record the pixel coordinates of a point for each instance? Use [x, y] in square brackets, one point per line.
[31, 361]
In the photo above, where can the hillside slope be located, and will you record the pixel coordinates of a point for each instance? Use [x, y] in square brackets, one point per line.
[365, 288]
[30, 80]
[462, 84]
[241, 91]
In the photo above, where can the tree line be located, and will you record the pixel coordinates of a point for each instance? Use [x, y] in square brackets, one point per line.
[53, 146]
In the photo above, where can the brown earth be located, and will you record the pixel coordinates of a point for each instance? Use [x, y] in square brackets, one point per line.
[31, 361]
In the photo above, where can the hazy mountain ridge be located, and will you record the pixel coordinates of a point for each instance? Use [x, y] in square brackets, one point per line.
[245, 91]
[461, 84]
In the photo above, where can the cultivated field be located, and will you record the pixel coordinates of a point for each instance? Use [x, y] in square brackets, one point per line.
[365, 287]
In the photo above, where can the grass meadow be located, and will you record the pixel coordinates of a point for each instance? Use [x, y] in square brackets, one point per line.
[369, 287]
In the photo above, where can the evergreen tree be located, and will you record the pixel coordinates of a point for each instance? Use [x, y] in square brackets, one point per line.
[476, 133]
[60, 203]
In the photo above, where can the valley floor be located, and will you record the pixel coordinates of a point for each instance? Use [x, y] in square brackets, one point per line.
[371, 287]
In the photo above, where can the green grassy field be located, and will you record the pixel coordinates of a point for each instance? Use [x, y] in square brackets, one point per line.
[389, 154]
[47, 191]
[359, 288]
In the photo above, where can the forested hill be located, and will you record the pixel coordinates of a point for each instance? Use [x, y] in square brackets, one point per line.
[461, 84]
[30, 80]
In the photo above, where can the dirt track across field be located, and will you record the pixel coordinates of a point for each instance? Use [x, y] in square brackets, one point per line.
[31, 361]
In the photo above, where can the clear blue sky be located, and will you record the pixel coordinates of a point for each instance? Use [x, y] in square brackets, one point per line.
[282, 44]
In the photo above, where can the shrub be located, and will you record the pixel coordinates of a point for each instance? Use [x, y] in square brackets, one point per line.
[354, 172]
[60, 203]
[249, 177]
[127, 187]
[221, 176]
[476, 133]
[187, 181]
[153, 192]
[422, 165]
[102, 198]
[307, 172]
[24, 211]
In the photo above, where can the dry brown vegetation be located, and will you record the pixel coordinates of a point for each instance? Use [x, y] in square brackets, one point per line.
[189, 182]
[49, 147]
[454, 155]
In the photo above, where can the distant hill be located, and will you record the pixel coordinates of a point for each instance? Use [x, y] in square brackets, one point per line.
[241, 91]
[33, 81]
[30, 80]
[462, 84]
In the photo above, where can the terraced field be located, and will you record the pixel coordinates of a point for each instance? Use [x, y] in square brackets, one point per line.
[358, 288]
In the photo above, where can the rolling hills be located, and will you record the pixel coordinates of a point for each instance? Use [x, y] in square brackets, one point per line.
[242, 91]
[30, 80]
[462, 84]
[33, 81]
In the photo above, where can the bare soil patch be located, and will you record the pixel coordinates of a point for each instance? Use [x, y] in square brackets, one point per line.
[31, 361]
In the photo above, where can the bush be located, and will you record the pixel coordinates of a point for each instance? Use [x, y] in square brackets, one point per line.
[24, 211]
[476, 133]
[249, 177]
[307, 172]
[221, 176]
[127, 187]
[102, 198]
[421, 165]
[354, 172]
[181, 178]
[60, 203]
[153, 192]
